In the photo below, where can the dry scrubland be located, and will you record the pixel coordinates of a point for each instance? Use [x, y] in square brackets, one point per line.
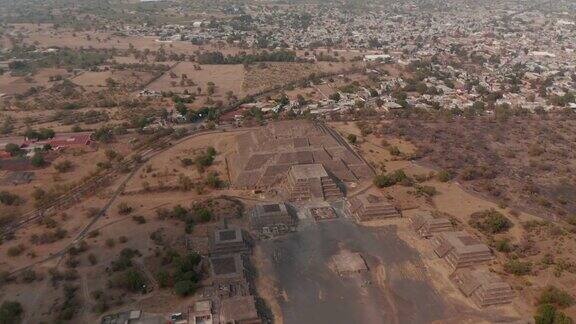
[531, 253]
[525, 163]
[225, 77]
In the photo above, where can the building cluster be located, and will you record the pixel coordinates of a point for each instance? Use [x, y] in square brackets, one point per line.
[229, 297]
[505, 54]
[466, 257]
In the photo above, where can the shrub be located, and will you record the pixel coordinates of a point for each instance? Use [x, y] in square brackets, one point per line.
[184, 288]
[444, 176]
[490, 221]
[10, 199]
[428, 191]
[352, 138]
[13, 149]
[390, 179]
[383, 180]
[11, 312]
[124, 208]
[394, 151]
[29, 275]
[503, 246]
[38, 160]
[139, 219]
[16, 250]
[110, 242]
[555, 296]
[186, 162]
[92, 259]
[548, 314]
[63, 166]
[94, 233]
[518, 268]
[213, 181]
[203, 214]
[131, 280]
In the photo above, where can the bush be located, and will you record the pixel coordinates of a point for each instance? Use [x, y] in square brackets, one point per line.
[490, 221]
[11, 312]
[548, 314]
[139, 219]
[184, 288]
[390, 179]
[92, 259]
[38, 160]
[394, 151]
[110, 242]
[555, 296]
[124, 208]
[10, 199]
[383, 180]
[16, 250]
[186, 162]
[203, 214]
[444, 176]
[503, 246]
[427, 191]
[352, 138]
[63, 166]
[518, 268]
[213, 181]
[130, 280]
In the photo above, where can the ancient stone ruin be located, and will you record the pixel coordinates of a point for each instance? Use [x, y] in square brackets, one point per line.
[460, 249]
[484, 287]
[426, 225]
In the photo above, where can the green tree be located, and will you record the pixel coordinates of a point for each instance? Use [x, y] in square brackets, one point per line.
[13, 149]
[184, 287]
[38, 160]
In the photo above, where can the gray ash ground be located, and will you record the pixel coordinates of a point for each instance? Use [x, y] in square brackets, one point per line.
[317, 294]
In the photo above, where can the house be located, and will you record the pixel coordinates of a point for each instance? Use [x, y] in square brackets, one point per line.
[62, 141]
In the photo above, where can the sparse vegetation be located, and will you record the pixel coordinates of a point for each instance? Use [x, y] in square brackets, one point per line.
[517, 267]
[490, 222]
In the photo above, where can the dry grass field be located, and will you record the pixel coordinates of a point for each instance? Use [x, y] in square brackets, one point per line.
[259, 77]
[225, 77]
[96, 81]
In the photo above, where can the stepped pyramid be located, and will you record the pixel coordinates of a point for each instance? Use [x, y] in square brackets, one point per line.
[311, 182]
[371, 207]
[427, 225]
[460, 249]
[484, 287]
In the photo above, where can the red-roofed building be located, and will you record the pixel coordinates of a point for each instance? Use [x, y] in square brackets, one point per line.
[69, 140]
[61, 141]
